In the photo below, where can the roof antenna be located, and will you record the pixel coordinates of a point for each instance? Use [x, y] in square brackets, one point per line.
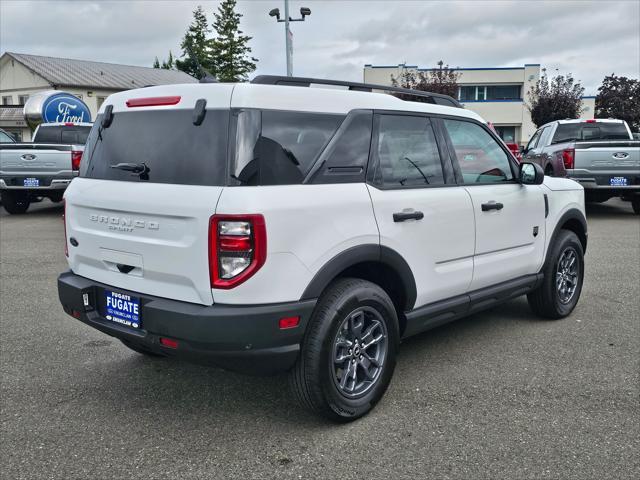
[206, 76]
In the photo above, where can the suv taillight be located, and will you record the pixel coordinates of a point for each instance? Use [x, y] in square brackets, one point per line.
[75, 160]
[568, 157]
[64, 223]
[237, 248]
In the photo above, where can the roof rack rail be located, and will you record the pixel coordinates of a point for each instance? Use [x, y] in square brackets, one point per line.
[429, 97]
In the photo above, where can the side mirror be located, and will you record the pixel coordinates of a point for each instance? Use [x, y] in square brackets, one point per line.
[531, 174]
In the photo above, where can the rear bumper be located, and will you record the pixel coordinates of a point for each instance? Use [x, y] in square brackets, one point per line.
[240, 338]
[49, 184]
[600, 183]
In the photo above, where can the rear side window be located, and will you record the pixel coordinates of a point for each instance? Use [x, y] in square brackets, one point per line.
[479, 155]
[345, 158]
[76, 135]
[279, 147]
[568, 132]
[170, 146]
[407, 152]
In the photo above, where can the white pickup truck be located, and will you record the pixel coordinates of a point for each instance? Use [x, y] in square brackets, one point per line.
[600, 154]
[44, 168]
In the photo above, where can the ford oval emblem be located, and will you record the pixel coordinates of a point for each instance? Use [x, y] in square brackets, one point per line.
[65, 108]
[620, 155]
[28, 156]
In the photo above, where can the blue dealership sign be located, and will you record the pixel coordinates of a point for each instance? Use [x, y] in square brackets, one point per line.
[64, 107]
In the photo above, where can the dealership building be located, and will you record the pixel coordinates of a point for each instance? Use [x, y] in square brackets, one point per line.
[23, 75]
[497, 94]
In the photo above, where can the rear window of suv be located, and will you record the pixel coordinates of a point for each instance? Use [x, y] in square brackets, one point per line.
[167, 142]
[567, 132]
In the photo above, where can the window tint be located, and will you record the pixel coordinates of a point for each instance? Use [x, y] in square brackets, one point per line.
[407, 152]
[567, 132]
[480, 157]
[173, 149]
[62, 134]
[346, 156]
[279, 148]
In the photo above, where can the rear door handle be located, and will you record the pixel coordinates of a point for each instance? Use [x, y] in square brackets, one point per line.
[402, 216]
[492, 206]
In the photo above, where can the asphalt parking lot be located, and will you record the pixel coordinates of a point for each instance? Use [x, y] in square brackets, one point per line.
[498, 395]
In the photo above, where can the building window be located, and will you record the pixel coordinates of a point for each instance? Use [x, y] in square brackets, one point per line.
[480, 93]
[22, 99]
[503, 92]
[467, 93]
[8, 100]
[507, 133]
[100, 101]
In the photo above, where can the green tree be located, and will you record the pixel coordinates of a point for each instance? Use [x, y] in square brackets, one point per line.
[619, 97]
[156, 63]
[229, 50]
[437, 80]
[552, 99]
[195, 46]
[169, 63]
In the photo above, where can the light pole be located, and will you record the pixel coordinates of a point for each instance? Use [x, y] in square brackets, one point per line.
[304, 12]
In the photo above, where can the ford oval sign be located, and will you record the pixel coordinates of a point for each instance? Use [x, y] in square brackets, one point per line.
[64, 107]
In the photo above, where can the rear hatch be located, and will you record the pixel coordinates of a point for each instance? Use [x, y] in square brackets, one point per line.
[138, 217]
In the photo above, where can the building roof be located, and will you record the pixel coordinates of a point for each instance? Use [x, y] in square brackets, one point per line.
[11, 113]
[83, 73]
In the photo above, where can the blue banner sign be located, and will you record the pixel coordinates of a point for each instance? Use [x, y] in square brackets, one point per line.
[63, 108]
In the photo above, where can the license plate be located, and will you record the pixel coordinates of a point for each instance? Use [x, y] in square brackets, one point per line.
[618, 181]
[31, 182]
[123, 309]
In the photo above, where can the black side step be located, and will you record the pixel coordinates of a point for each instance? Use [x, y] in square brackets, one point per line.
[438, 313]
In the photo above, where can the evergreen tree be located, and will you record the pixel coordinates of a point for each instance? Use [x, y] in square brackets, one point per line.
[156, 63]
[229, 49]
[558, 98]
[195, 46]
[168, 64]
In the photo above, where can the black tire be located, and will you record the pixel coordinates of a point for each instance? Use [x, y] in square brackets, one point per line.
[548, 300]
[141, 350]
[549, 171]
[635, 203]
[15, 203]
[57, 198]
[314, 378]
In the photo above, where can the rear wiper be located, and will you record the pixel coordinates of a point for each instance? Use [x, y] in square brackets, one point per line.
[136, 168]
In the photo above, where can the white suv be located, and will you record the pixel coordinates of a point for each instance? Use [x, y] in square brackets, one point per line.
[268, 227]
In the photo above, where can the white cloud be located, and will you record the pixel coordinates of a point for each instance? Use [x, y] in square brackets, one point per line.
[589, 39]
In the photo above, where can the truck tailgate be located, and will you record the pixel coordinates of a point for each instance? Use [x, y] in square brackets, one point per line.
[35, 159]
[616, 157]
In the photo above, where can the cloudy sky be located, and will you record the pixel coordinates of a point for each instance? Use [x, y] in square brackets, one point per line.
[589, 39]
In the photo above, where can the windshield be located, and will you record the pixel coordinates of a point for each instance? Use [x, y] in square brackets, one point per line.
[159, 146]
[567, 132]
